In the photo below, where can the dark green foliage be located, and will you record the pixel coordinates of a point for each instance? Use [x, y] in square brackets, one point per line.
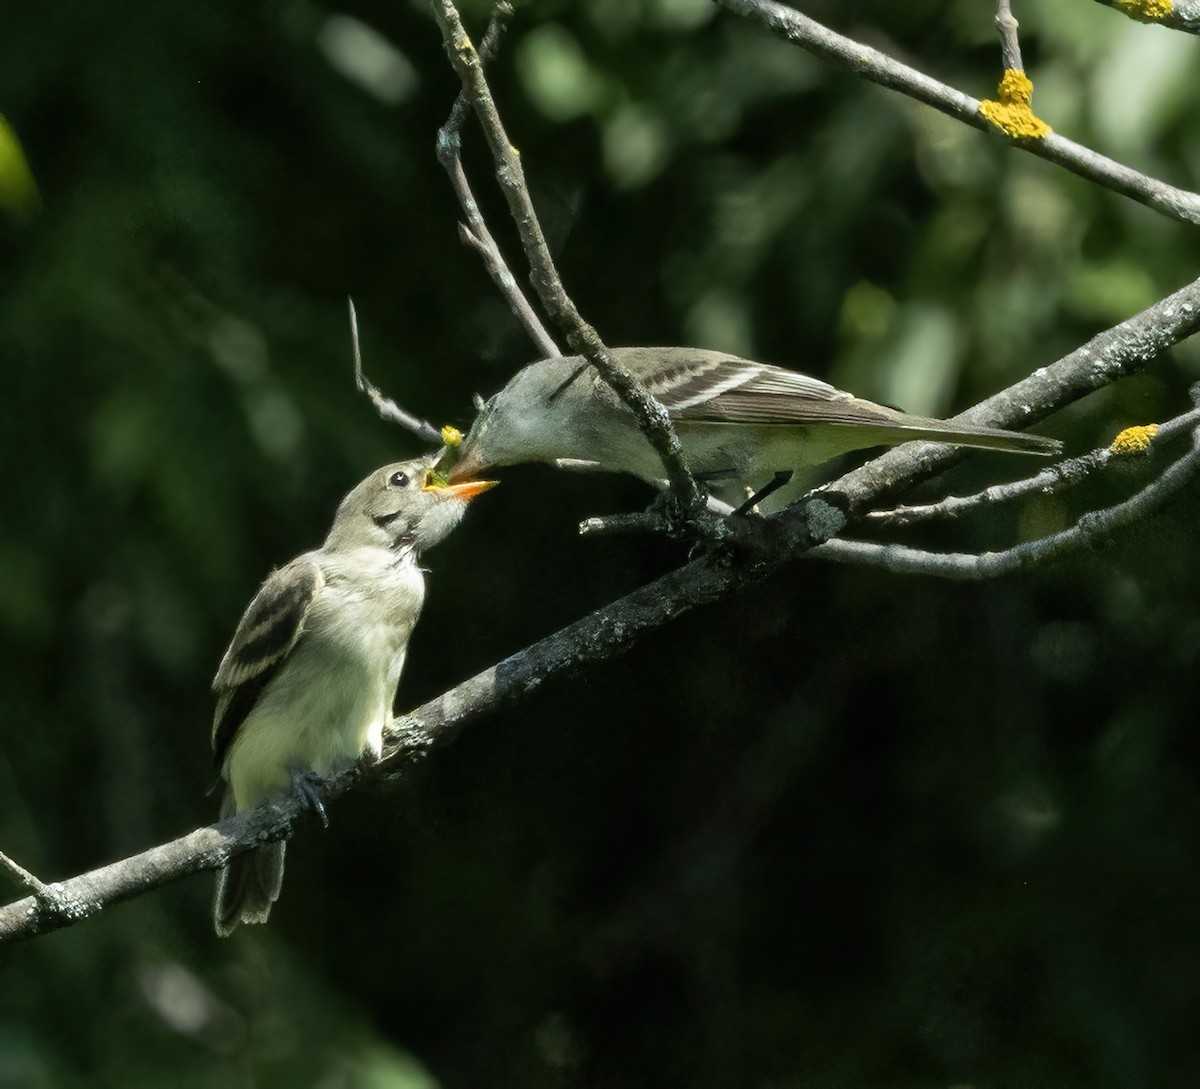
[850, 829]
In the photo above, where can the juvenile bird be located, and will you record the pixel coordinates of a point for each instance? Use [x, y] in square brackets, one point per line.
[308, 682]
[738, 421]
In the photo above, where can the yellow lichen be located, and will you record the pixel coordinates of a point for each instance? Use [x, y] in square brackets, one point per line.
[451, 435]
[1012, 109]
[1133, 440]
[1146, 11]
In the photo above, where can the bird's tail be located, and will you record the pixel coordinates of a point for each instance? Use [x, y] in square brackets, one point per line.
[247, 887]
[982, 438]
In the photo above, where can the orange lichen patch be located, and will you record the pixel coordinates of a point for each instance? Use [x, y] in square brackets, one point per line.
[1012, 110]
[1146, 11]
[1133, 440]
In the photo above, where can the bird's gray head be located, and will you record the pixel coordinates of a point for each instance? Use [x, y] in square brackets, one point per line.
[400, 506]
[528, 420]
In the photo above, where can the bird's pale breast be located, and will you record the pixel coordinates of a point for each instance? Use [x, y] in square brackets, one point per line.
[332, 698]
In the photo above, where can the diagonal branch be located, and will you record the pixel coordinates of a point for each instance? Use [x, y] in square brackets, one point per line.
[884, 70]
[1054, 478]
[30, 881]
[387, 408]
[1092, 527]
[474, 232]
[652, 417]
[1118, 351]
[608, 631]
[1177, 14]
[600, 635]
[613, 629]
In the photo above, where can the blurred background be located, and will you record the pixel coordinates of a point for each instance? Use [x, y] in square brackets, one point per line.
[850, 829]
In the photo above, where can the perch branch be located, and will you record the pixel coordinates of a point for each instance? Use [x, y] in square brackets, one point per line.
[600, 635]
[613, 629]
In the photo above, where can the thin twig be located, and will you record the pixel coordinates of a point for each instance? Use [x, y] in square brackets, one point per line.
[882, 69]
[51, 901]
[1120, 350]
[608, 525]
[1094, 525]
[1052, 479]
[1176, 14]
[474, 232]
[649, 521]
[653, 418]
[27, 879]
[1010, 44]
[385, 406]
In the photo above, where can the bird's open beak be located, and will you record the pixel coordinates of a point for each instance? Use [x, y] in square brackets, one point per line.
[467, 490]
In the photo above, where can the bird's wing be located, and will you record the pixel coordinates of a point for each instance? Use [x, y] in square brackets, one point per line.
[713, 388]
[269, 629]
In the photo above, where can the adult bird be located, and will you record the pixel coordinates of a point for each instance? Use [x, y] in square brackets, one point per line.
[308, 682]
[739, 422]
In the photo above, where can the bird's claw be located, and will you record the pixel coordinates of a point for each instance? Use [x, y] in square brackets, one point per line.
[307, 785]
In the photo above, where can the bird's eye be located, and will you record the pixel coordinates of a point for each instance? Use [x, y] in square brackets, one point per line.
[398, 480]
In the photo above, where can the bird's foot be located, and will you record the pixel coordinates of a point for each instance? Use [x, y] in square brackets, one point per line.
[307, 786]
[704, 524]
[695, 522]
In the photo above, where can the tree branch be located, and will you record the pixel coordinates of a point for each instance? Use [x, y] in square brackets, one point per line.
[901, 559]
[882, 69]
[24, 876]
[616, 627]
[1118, 351]
[1176, 14]
[654, 421]
[613, 629]
[474, 232]
[387, 408]
[599, 635]
[1052, 479]
[1010, 44]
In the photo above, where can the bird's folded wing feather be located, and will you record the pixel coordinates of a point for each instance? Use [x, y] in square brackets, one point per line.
[731, 390]
[268, 631]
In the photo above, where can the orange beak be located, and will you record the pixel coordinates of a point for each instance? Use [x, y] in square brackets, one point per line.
[468, 490]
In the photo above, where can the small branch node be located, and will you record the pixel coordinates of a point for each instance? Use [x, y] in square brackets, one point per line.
[15, 869]
[1012, 110]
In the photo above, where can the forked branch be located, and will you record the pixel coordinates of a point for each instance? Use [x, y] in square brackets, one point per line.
[654, 421]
